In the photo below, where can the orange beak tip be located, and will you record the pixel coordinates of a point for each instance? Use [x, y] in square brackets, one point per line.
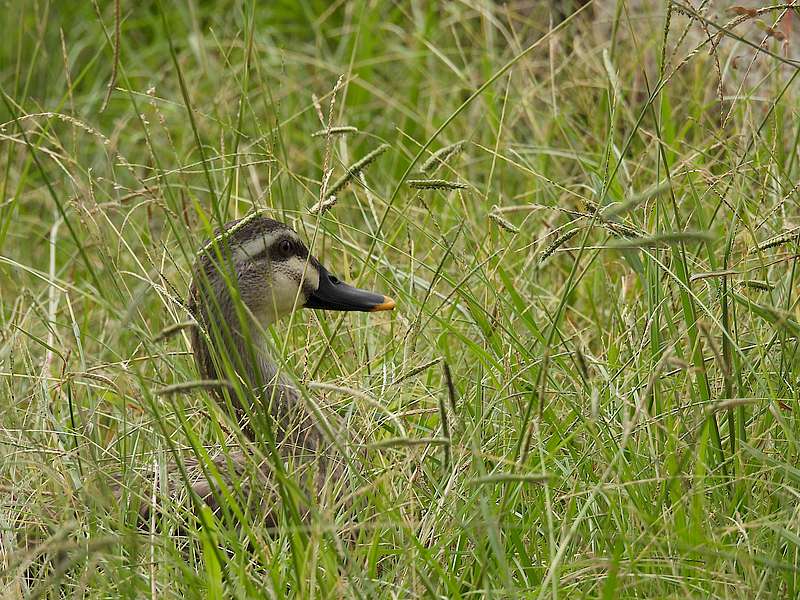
[387, 304]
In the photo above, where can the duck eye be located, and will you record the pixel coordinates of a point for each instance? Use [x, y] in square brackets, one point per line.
[285, 247]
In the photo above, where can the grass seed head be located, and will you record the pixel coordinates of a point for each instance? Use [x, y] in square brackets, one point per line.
[763, 286]
[503, 223]
[435, 184]
[779, 240]
[559, 241]
[340, 130]
[441, 156]
[323, 206]
[353, 170]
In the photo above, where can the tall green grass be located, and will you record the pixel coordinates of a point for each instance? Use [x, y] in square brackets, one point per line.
[589, 385]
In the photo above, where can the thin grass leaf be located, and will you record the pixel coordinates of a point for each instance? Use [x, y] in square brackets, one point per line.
[617, 210]
[789, 470]
[172, 330]
[510, 478]
[451, 388]
[444, 421]
[733, 403]
[714, 275]
[662, 239]
[190, 386]
[777, 317]
[411, 442]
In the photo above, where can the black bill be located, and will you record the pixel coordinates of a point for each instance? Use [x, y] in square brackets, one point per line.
[333, 294]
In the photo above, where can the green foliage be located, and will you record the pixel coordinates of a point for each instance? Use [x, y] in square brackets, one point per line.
[583, 392]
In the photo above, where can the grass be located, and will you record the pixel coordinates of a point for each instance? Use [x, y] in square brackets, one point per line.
[589, 387]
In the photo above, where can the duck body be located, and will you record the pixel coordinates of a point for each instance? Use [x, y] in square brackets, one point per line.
[253, 273]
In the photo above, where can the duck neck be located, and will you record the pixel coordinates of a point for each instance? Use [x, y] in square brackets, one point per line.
[269, 390]
[268, 385]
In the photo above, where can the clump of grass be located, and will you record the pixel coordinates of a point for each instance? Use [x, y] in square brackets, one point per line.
[599, 371]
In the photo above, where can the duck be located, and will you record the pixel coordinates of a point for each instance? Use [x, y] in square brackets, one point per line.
[253, 273]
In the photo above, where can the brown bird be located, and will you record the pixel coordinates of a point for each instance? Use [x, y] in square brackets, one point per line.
[253, 273]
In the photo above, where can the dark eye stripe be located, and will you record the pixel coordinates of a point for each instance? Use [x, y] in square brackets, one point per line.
[277, 254]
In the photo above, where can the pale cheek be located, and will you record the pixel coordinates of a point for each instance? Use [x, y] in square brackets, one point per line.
[311, 276]
[284, 295]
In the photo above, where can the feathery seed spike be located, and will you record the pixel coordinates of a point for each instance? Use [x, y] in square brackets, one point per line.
[559, 241]
[417, 370]
[435, 184]
[621, 229]
[441, 156]
[339, 130]
[617, 228]
[778, 240]
[764, 286]
[590, 206]
[323, 206]
[355, 169]
[503, 223]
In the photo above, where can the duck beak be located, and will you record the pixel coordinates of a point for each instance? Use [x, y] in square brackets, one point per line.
[333, 294]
